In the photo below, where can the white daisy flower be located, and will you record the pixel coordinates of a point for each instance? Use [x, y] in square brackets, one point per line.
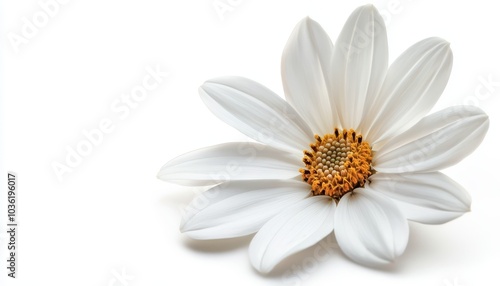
[350, 151]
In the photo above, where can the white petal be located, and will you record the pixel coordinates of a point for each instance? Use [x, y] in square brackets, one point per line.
[438, 141]
[306, 74]
[360, 62]
[240, 208]
[294, 229]
[413, 84]
[431, 198]
[370, 229]
[257, 112]
[230, 162]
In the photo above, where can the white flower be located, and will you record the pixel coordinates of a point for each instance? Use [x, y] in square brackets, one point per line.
[350, 151]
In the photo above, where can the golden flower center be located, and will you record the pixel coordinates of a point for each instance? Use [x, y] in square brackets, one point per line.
[337, 163]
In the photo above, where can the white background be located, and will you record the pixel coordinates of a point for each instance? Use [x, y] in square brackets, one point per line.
[111, 215]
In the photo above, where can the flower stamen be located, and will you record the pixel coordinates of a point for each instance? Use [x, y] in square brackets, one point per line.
[337, 163]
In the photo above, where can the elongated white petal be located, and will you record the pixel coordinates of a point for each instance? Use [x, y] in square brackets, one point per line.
[438, 141]
[431, 198]
[240, 208]
[413, 84]
[360, 62]
[257, 112]
[295, 228]
[230, 162]
[370, 229]
[306, 74]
